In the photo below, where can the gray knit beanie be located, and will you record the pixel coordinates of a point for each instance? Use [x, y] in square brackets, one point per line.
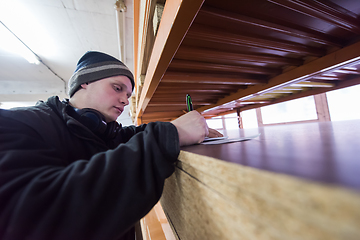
[94, 66]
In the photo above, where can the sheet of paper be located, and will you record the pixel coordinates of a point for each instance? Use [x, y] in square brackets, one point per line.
[207, 139]
[230, 140]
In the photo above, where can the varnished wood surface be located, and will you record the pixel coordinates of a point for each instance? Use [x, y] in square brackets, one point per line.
[262, 51]
[327, 152]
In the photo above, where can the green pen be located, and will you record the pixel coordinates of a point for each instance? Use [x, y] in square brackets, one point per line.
[189, 103]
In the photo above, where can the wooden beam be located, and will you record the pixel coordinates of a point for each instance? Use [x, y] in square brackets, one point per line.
[259, 117]
[179, 103]
[348, 71]
[199, 94]
[327, 78]
[253, 102]
[177, 17]
[146, 35]
[136, 37]
[161, 116]
[204, 54]
[197, 91]
[343, 84]
[185, 65]
[324, 10]
[322, 107]
[164, 109]
[181, 97]
[292, 88]
[203, 33]
[313, 84]
[142, 13]
[336, 60]
[253, 22]
[282, 91]
[180, 77]
[153, 115]
[197, 86]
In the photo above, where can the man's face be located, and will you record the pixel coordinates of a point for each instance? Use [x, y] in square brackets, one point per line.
[108, 96]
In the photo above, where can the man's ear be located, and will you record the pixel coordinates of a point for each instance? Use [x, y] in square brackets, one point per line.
[84, 85]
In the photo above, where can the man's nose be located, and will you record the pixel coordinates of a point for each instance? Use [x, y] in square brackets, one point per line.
[124, 100]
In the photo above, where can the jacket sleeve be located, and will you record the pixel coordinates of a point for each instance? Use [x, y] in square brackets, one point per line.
[129, 131]
[100, 198]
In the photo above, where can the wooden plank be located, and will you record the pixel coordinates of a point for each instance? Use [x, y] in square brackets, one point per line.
[197, 91]
[342, 84]
[163, 110]
[142, 10]
[198, 86]
[326, 11]
[211, 199]
[180, 103]
[259, 117]
[205, 54]
[240, 19]
[199, 95]
[176, 19]
[166, 118]
[203, 33]
[312, 84]
[336, 60]
[136, 38]
[322, 107]
[166, 114]
[185, 65]
[199, 78]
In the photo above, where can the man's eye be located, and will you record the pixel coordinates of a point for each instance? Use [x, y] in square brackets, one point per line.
[117, 88]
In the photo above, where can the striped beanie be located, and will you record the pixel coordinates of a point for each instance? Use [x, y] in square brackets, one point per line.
[94, 66]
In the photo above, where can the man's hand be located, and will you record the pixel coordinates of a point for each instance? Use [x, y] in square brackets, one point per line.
[191, 127]
[214, 133]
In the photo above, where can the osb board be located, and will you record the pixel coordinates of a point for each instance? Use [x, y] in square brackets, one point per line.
[208, 198]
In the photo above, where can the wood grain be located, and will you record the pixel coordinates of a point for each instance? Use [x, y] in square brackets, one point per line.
[208, 198]
[297, 181]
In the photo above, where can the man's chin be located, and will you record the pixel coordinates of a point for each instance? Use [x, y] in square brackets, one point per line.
[114, 118]
[111, 118]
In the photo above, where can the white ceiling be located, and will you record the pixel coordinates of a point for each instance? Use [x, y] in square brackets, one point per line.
[59, 32]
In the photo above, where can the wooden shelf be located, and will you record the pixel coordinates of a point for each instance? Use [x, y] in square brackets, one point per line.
[293, 182]
[255, 49]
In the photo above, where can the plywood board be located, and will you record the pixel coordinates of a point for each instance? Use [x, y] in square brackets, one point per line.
[208, 198]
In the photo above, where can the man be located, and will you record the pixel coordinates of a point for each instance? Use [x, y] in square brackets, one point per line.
[69, 171]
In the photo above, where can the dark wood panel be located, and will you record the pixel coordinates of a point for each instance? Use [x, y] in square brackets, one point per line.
[258, 24]
[192, 77]
[202, 54]
[198, 86]
[328, 12]
[233, 51]
[181, 65]
[203, 33]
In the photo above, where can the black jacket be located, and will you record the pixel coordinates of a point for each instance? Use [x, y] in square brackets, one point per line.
[58, 180]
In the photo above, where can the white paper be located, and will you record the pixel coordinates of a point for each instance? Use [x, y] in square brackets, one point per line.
[229, 140]
[207, 139]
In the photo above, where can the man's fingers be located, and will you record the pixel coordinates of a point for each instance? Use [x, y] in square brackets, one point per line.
[214, 133]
